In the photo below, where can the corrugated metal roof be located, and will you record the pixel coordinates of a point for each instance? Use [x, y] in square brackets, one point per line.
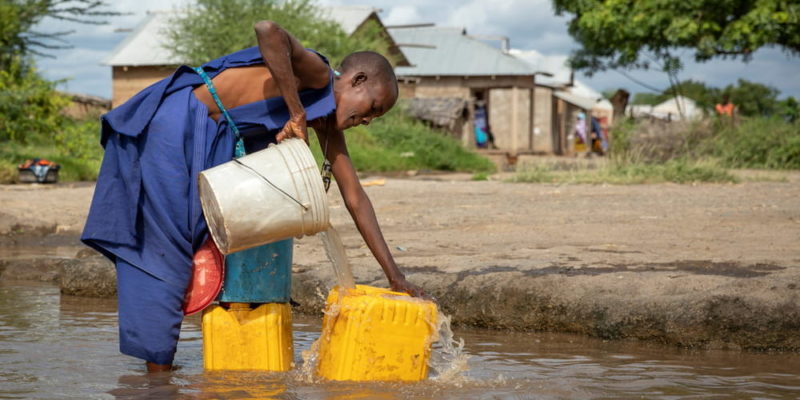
[579, 93]
[144, 46]
[453, 53]
[579, 101]
[555, 65]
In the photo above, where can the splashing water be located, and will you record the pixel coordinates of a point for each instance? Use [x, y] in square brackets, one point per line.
[335, 251]
[310, 358]
[448, 357]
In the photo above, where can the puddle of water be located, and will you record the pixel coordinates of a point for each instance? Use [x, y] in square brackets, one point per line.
[54, 346]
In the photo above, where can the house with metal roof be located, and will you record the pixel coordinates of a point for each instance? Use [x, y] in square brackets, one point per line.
[559, 98]
[448, 63]
[531, 104]
[142, 58]
[678, 108]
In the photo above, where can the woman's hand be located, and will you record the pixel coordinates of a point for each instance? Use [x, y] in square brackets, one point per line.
[295, 127]
[402, 285]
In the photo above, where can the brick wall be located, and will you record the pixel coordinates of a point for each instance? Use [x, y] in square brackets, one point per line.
[127, 81]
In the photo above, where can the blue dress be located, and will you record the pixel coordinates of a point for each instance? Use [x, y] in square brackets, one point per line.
[146, 213]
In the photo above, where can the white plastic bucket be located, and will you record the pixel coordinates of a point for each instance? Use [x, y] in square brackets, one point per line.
[263, 197]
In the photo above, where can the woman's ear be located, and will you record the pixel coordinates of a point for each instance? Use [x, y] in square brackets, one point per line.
[358, 78]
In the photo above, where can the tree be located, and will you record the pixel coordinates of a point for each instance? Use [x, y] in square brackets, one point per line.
[646, 98]
[213, 28]
[29, 105]
[619, 101]
[790, 109]
[642, 33]
[30, 108]
[20, 20]
[753, 99]
[750, 98]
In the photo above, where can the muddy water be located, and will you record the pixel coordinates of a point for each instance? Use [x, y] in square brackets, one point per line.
[54, 347]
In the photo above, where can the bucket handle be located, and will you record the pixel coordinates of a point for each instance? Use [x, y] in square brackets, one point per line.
[270, 183]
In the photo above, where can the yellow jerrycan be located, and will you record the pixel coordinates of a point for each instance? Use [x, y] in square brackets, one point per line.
[374, 334]
[245, 338]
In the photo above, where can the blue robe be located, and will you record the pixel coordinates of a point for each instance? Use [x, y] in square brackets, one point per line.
[146, 209]
[161, 139]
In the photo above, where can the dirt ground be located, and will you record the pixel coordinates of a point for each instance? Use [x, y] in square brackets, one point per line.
[709, 265]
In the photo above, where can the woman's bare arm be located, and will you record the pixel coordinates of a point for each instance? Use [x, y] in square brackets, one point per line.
[290, 64]
[360, 207]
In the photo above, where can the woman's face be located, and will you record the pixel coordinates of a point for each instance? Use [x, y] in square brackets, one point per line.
[359, 100]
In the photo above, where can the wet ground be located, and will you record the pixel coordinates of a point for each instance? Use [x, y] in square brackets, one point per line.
[711, 266]
[56, 347]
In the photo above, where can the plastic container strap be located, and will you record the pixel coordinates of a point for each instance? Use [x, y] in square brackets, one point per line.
[239, 150]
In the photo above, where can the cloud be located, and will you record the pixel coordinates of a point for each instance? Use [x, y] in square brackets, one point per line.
[530, 25]
[400, 15]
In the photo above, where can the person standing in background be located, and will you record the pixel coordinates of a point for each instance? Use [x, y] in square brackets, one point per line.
[483, 133]
[726, 109]
[580, 130]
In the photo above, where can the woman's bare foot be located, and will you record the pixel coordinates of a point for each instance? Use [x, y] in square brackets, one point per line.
[153, 367]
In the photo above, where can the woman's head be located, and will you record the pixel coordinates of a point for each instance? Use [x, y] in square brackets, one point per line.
[365, 88]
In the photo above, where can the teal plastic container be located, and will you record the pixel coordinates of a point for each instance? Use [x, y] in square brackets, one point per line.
[260, 274]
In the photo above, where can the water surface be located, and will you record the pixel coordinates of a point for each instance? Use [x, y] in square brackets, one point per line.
[56, 347]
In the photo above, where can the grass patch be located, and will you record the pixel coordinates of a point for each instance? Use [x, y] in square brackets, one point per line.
[76, 147]
[764, 143]
[72, 168]
[677, 171]
[396, 142]
[686, 152]
[480, 176]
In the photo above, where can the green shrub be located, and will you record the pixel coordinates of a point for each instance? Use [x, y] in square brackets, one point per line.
[72, 168]
[424, 147]
[30, 108]
[75, 146]
[80, 140]
[397, 142]
[758, 143]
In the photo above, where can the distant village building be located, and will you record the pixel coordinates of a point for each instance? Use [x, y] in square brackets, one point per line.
[678, 108]
[528, 112]
[560, 97]
[142, 59]
[447, 63]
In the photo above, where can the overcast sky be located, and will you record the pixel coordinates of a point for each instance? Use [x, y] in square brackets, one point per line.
[530, 24]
